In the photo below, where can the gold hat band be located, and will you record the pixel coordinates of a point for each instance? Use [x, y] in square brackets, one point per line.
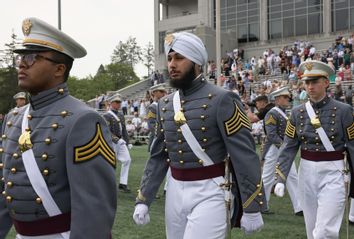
[314, 75]
[46, 43]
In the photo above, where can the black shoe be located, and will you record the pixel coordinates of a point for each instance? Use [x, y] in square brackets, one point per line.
[124, 188]
[299, 213]
[267, 212]
[351, 223]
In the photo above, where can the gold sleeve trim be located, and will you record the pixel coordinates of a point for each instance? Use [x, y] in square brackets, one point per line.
[271, 120]
[290, 130]
[278, 172]
[140, 196]
[238, 119]
[151, 115]
[350, 132]
[97, 145]
[253, 196]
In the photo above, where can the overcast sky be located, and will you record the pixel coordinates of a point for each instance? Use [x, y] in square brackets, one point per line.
[98, 25]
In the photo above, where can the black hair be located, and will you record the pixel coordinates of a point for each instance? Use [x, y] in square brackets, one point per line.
[261, 98]
[66, 60]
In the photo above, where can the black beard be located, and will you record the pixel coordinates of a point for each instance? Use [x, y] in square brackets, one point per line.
[186, 80]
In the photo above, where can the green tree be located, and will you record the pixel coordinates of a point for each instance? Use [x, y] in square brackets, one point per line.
[121, 74]
[8, 56]
[127, 52]
[148, 57]
[111, 77]
[8, 76]
[9, 87]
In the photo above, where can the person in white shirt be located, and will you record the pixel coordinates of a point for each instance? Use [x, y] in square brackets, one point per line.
[136, 122]
[130, 128]
[125, 106]
[144, 127]
[142, 109]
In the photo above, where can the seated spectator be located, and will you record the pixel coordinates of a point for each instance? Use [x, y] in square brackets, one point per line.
[136, 122]
[130, 129]
[144, 131]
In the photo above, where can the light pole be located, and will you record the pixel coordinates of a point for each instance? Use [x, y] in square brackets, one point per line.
[59, 14]
[218, 41]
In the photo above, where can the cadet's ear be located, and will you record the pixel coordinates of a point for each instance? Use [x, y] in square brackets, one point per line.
[60, 70]
[197, 69]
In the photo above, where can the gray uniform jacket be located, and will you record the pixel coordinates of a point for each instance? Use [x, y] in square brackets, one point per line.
[221, 127]
[275, 125]
[152, 109]
[73, 150]
[337, 121]
[117, 129]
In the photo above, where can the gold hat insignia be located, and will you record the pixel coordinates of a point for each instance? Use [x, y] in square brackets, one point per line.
[308, 66]
[169, 39]
[26, 27]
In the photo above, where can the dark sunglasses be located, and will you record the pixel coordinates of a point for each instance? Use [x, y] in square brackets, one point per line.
[30, 59]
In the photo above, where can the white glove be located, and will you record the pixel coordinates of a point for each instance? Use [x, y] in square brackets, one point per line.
[251, 222]
[130, 146]
[279, 189]
[141, 214]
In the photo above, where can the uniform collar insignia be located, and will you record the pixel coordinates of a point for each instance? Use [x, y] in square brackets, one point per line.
[26, 27]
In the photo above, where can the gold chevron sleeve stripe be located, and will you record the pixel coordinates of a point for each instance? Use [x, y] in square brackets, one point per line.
[253, 196]
[290, 130]
[237, 120]
[151, 115]
[97, 145]
[350, 132]
[277, 170]
[271, 120]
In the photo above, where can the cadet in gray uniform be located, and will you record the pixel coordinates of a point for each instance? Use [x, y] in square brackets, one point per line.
[275, 122]
[323, 128]
[156, 92]
[20, 99]
[58, 165]
[197, 126]
[116, 122]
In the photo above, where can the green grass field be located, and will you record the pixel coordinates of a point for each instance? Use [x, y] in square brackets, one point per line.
[282, 224]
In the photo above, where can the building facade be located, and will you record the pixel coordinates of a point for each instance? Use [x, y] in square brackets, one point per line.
[253, 25]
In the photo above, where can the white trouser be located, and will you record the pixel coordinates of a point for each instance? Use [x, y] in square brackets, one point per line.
[195, 209]
[168, 175]
[268, 176]
[351, 213]
[64, 235]
[122, 154]
[322, 197]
